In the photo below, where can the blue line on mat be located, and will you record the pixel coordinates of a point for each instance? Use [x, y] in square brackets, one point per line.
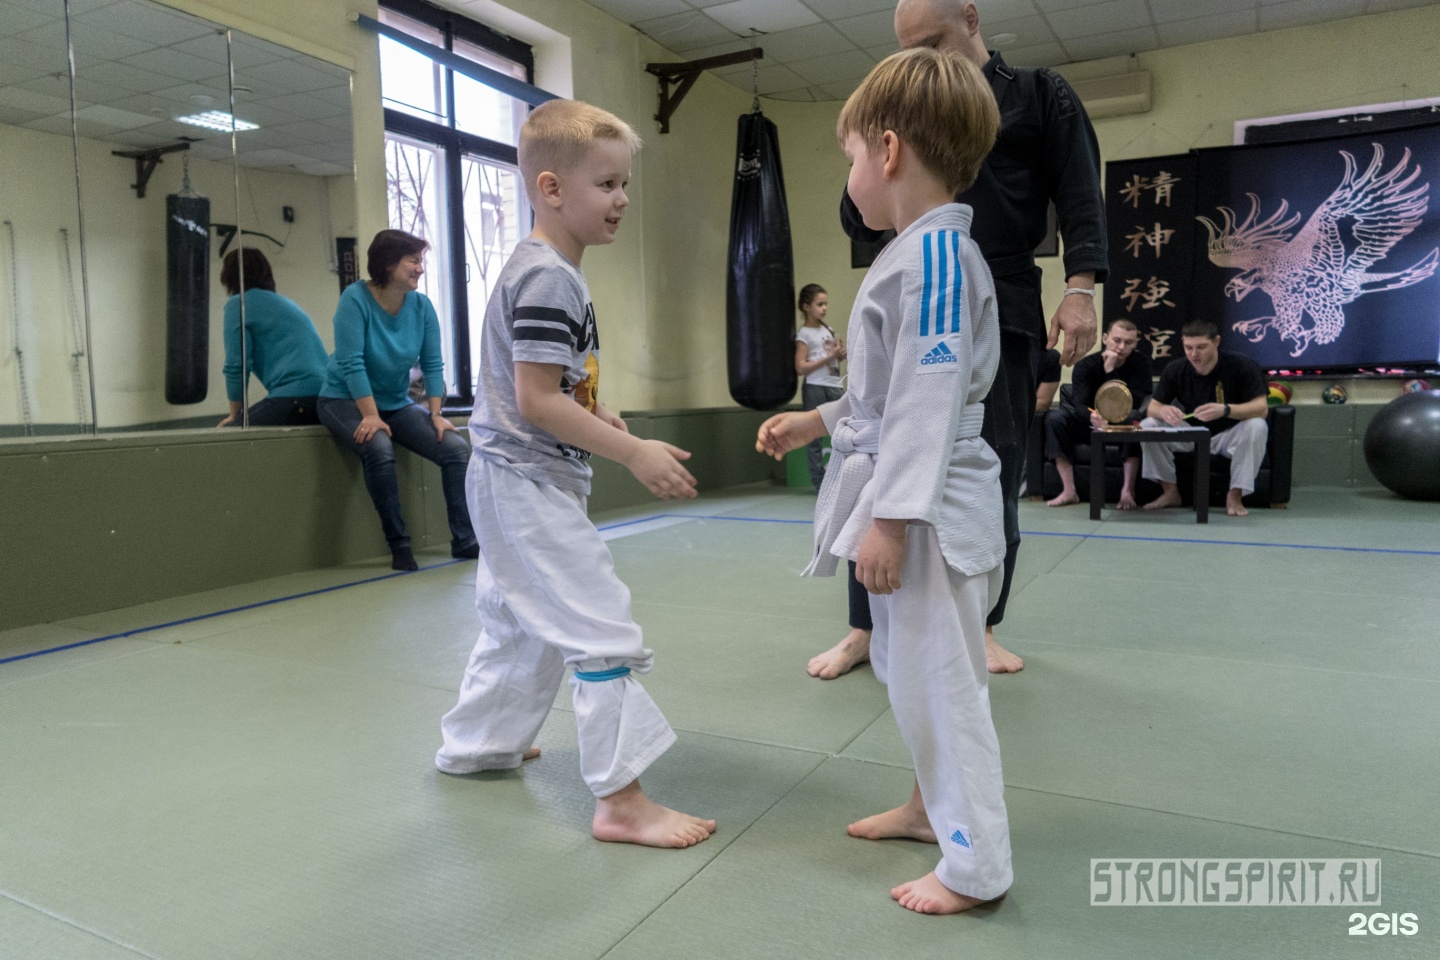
[220, 613]
[1101, 536]
[700, 516]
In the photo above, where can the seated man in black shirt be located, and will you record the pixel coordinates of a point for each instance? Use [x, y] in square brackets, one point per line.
[1220, 391]
[1069, 425]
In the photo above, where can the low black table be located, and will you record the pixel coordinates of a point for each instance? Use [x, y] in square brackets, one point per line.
[1198, 436]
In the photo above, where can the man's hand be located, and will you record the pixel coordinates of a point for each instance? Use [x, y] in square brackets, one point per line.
[369, 426]
[657, 465]
[1111, 360]
[1171, 415]
[1076, 319]
[789, 431]
[440, 424]
[1097, 422]
[1210, 411]
[229, 419]
[610, 419]
[881, 556]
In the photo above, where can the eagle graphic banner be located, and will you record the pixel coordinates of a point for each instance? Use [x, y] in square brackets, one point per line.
[1318, 255]
[1322, 254]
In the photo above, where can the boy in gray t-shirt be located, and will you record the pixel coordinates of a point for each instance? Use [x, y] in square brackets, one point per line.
[546, 587]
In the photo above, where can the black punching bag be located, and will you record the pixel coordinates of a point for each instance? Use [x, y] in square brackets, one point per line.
[760, 295]
[187, 298]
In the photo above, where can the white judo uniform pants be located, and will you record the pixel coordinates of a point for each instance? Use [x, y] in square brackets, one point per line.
[549, 599]
[928, 648]
[1243, 443]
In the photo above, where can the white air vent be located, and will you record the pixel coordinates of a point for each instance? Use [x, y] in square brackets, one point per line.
[1115, 96]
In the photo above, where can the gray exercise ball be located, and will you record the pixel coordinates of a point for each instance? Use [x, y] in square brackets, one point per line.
[1402, 445]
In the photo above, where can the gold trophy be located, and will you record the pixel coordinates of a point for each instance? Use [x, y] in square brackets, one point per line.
[1113, 402]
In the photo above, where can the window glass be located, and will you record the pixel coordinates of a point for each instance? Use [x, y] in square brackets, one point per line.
[410, 81]
[485, 111]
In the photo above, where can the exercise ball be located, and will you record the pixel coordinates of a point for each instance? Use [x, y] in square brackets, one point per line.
[1402, 445]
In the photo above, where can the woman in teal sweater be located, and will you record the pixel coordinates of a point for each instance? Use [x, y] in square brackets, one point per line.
[279, 345]
[383, 327]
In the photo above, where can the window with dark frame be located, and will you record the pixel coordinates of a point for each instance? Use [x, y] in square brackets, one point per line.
[451, 169]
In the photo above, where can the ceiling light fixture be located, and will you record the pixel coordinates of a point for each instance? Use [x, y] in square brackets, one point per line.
[217, 120]
[1003, 39]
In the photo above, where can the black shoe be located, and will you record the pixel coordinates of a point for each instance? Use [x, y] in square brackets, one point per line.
[402, 559]
[469, 552]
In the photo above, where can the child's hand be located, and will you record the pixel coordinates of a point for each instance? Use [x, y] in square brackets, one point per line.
[881, 556]
[657, 465]
[789, 431]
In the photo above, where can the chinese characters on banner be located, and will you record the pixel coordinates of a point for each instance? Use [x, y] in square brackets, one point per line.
[1150, 209]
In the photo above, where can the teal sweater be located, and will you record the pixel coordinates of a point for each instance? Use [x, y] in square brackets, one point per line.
[282, 348]
[375, 351]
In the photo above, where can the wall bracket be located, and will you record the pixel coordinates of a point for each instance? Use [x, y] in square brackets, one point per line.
[683, 76]
[145, 163]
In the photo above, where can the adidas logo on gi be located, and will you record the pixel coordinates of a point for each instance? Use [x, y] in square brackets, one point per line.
[959, 839]
[941, 354]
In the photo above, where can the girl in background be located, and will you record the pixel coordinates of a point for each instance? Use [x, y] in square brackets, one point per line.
[818, 353]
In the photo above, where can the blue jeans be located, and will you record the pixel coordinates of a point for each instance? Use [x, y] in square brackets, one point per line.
[411, 429]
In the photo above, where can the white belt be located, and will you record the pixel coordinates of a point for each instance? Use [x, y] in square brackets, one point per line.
[853, 446]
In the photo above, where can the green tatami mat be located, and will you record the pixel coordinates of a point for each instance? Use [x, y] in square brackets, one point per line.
[202, 804]
[796, 886]
[1319, 753]
[27, 933]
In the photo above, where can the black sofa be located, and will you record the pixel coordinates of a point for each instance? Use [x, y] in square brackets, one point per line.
[1272, 484]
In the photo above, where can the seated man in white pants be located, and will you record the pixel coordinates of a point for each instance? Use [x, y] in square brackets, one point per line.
[1222, 392]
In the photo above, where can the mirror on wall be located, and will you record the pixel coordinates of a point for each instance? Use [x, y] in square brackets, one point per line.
[297, 214]
[44, 354]
[111, 301]
[156, 174]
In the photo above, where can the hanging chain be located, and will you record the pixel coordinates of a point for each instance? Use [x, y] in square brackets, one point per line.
[754, 75]
[185, 175]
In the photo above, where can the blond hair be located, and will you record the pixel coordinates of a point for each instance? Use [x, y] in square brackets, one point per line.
[557, 135]
[938, 103]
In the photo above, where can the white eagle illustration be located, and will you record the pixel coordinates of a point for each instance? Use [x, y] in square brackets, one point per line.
[1313, 274]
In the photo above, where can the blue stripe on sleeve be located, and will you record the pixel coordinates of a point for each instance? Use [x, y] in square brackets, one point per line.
[942, 255]
[959, 283]
[925, 292]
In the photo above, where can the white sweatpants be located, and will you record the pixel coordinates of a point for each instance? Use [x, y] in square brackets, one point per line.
[548, 599]
[928, 648]
[1243, 443]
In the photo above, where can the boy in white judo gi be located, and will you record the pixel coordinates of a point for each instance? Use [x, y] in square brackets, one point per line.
[546, 587]
[912, 493]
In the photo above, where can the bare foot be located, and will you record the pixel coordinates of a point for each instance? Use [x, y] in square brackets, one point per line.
[929, 895]
[1127, 501]
[1066, 498]
[998, 659]
[532, 754]
[1170, 498]
[902, 823]
[841, 658]
[1234, 507]
[628, 816]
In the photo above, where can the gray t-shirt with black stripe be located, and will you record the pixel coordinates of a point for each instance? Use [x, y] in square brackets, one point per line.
[540, 312]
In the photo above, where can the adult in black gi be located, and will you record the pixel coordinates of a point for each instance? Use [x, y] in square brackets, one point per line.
[1046, 152]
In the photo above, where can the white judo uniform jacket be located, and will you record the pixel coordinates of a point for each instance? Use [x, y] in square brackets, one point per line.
[905, 437]
[924, 345]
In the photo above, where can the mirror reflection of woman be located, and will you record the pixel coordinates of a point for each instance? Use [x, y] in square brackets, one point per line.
[281, 347]
[383, 327]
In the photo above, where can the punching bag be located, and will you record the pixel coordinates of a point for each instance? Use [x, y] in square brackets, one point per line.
[187, 298]
[760, 294]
